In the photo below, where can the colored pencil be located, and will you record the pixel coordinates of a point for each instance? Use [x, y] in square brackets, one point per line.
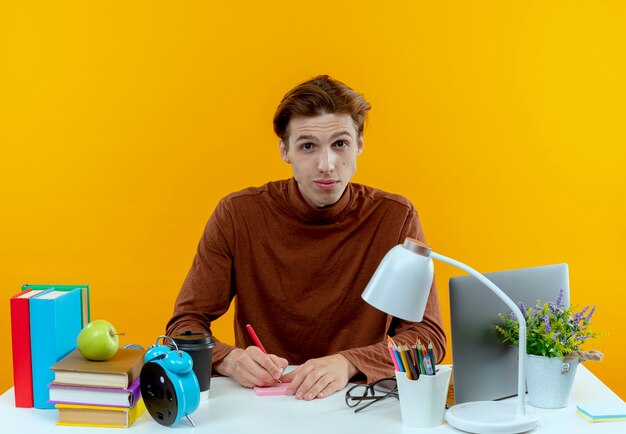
[396, 353]
[255, 338]
[258, 343]
[416, 360]
[428, 365]
[412, 366]
[431, 353]
[405, 362]
[420, 355]
[393, 358]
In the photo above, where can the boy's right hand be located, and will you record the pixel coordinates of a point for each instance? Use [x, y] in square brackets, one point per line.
[252, 367]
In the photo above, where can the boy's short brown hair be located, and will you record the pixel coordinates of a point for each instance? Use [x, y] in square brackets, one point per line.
[320, 95]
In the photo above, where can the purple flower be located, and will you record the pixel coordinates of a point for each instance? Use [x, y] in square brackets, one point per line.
[576, 318]
[522, 307]
[559, 299]
[558, 304]
[593, 309]
[555, 337]
[582, 312]
[546, 323]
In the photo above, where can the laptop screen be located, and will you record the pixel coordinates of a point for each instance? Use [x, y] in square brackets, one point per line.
[484, 368]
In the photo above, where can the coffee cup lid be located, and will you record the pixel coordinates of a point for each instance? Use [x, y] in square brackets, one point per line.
[189, 338]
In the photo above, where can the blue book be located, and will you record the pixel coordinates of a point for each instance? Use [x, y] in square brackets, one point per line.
[85, 294]
[55, 321]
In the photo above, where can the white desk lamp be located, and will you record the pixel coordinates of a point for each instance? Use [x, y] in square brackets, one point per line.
[400, 287]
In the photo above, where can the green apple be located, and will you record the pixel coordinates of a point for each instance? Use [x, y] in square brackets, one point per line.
[98, 340]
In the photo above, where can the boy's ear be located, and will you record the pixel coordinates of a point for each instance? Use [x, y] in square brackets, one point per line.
[360, 145]
[283, 151]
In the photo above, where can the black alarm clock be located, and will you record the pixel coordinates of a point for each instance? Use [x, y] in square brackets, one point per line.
[169, 387]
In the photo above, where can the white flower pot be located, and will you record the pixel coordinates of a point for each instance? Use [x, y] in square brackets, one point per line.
[549, 381]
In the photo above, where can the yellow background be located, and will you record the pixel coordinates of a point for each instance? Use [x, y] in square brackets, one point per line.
[123, 123]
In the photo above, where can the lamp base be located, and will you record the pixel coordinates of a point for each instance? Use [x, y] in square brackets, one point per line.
[491, 417]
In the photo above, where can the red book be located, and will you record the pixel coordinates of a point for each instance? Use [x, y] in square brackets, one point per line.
[20, 338]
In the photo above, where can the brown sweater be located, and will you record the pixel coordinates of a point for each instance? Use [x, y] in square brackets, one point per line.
[298, 274]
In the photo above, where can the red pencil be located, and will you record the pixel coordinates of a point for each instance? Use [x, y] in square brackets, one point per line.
[258, 343]
[255, 338]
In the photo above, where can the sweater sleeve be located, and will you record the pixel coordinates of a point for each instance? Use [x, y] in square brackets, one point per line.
[207, 291]
[373, 361]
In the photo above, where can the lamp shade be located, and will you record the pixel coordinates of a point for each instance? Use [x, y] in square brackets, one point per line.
[401, 284]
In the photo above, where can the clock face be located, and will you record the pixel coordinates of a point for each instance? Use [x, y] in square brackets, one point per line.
[158, 393]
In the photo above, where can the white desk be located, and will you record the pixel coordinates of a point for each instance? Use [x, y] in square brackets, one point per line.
[233, 409]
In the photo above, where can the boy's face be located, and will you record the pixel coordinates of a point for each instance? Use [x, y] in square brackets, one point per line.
[322, 151]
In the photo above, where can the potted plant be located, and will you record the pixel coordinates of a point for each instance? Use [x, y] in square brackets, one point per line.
[555, 335]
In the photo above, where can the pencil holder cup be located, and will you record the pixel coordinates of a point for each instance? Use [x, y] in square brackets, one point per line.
[423, 401]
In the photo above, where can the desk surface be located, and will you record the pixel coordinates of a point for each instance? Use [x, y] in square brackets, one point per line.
[234, 409]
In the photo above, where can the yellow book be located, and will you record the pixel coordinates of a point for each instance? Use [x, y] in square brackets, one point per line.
[95, 415]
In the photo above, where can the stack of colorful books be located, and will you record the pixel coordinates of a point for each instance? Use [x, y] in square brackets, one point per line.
[45, 322]
[103, 394]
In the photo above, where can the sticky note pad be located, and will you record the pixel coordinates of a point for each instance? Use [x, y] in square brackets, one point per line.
[601, 411]
[273, 390]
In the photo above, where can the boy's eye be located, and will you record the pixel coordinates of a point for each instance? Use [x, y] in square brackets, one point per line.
[307, 146]
[341, 143]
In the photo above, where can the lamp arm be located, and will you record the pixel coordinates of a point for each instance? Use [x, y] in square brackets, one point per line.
[521, 362]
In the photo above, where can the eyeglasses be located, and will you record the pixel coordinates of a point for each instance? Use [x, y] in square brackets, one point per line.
[371, 393]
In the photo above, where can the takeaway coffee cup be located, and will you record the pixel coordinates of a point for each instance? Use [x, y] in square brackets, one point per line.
[200, 347]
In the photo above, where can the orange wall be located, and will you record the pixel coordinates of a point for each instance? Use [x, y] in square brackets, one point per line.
[123, 123]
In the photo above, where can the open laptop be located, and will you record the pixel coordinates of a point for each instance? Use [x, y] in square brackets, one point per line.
[484, 368]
